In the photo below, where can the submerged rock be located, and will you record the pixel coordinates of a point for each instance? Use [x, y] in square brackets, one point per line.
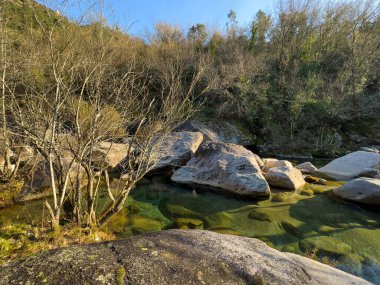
[362, 190]
[224, 167]
[285, 177]
[350, 166]
[176, 150]
[174, 257]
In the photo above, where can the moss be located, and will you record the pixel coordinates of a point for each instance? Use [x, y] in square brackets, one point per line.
[325, 246]
[180, 211]
[189, 223]
[226, 232]
[260, 215]
[219, 220]
[120, 276]
[9, 191]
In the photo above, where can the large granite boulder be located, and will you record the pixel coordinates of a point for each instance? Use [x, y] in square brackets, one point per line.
[174, 257]
[362, 190]
[224, 167]
[176, 149]
[285, 177]
[350, 166]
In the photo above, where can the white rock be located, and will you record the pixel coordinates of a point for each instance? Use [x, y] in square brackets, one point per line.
[285, 177]
[272, 162]
[363, 190]
[351, 165]
[306, 167]
[226, 167]
[177, 149]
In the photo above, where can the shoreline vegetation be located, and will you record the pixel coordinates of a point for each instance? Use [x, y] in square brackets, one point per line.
[105, 135]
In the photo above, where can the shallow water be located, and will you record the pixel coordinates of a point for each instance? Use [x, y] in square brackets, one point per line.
[310, 223]
[340, 234]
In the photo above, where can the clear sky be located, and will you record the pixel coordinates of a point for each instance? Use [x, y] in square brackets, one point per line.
[140, 16]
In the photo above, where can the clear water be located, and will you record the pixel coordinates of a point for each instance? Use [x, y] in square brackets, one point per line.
[341, 234]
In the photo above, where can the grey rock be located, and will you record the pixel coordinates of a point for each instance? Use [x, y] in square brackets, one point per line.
[306, 167]
[350, 165]
[224, 167]
[285, 177]
[174, 257]
[176, 149]
[362, 190]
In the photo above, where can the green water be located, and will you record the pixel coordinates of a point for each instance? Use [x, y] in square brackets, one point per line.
[341, 234]
[310, 222]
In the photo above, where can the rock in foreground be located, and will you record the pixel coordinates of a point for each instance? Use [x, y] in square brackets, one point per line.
[362, 190]
[350, 166]
[224, 167]
[173, 257]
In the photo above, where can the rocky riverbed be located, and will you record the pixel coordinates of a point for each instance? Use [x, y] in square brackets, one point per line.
[227, 189]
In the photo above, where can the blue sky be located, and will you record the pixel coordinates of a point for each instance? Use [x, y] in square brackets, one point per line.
[140, 16]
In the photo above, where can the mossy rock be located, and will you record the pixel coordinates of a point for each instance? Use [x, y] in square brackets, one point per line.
[219, 220]
[189, 223]
[325, 246]
[9, 192]
[260, 214]
[180, 211]
[293, 227]
[289, 197]
[326, 229]
[149, 211]
[227, 232]
[140, 224]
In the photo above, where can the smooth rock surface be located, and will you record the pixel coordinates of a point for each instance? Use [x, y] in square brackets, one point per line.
[362, 190]
[174, 257]
[350, 166]
[226, 167]
[285, 177]
[111, 153]
[306, 167]
[272, 162]
[176, 149]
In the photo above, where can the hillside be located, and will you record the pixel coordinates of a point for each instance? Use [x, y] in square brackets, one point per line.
[20, 16]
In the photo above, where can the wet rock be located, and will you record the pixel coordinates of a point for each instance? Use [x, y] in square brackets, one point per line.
[224, 167]
[350, 166]
[306, 167]
[325, 246]
[173, 257]
[362, 190]
[189, 223]
[315, 180]
[285, 177]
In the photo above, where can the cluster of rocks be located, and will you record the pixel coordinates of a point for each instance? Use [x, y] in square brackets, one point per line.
[201, 160]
